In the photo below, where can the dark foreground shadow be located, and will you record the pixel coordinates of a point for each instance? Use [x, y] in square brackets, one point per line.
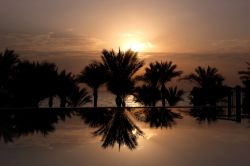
[22, 122]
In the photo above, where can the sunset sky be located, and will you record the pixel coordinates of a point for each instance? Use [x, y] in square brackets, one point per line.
[144, 25]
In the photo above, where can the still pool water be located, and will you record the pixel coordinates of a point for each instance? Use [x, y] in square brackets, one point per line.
[118, 137]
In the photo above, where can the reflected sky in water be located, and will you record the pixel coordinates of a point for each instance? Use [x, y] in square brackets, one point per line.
[166, 137]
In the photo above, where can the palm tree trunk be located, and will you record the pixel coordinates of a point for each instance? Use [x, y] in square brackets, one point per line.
[50, 101]
[95, 94]
[63, 102]
[118, 101]
[163, 97]
[123, 102]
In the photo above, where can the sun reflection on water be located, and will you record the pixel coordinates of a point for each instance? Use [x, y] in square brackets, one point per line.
[134, 131]
[130, 102]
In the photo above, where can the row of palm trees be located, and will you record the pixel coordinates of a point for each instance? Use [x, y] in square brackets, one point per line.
[118, 71]
[25, 83]
[156, 76]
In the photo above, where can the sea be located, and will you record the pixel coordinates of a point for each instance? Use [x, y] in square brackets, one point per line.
[106, 99]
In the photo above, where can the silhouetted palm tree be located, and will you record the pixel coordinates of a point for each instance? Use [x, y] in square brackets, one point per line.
[174, 95]
[147, 95]
[66, 83]
[48, 79]
[33, 82]
[210, 86]
[8, 62]
[156, 76]
[121, 67]
[151, 76]
[206, 77]
[94, 75]
[167, 71]
[78, 97]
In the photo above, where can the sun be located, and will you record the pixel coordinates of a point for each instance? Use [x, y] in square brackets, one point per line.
[137, 42]
[134, 46]
[138, 47]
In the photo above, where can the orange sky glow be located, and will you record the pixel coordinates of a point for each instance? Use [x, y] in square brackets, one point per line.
[143, 25]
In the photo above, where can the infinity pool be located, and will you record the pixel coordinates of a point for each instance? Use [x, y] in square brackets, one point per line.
[110, 136]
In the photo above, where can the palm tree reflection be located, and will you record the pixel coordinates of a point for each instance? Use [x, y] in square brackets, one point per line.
[96, 117]
[115, 126]
[17, 123]
[158, 117]
[206, 114]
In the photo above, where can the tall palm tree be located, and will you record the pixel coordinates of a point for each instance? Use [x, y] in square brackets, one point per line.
[157, 75]
[48, 76]
[174, 95]
[210, 85]
[151, 76]
[8, 62]
[121, 67]
[206, 77]
[94, 75]
[78, 97]
[167, 71]
[147, 95]
[33, 82]
[66, 83]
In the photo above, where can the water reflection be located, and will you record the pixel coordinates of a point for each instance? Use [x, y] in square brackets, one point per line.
[205, 114]
[212, 114]
[158, 117]
[96, 117]
[17, 123]
[115, 126]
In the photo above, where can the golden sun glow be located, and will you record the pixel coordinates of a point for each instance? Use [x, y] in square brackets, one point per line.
[137, 47]
[136, 42]
[134, 131]
[134, 46]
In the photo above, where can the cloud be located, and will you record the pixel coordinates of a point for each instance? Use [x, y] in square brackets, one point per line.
[51, 41]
